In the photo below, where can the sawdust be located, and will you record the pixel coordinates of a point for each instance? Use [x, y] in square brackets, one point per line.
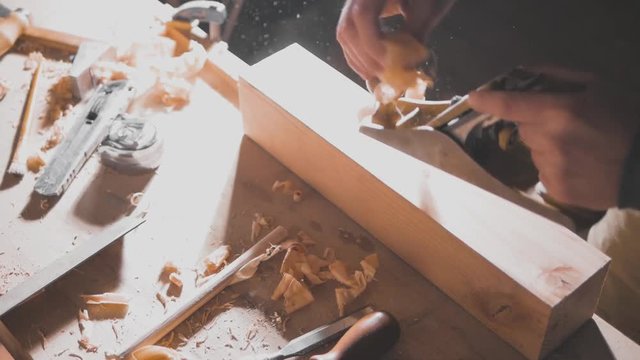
[54, 137]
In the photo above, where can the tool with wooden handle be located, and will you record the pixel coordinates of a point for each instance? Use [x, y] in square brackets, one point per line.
[12, 25]
[18, 164]
[367, 335]
[369, 338]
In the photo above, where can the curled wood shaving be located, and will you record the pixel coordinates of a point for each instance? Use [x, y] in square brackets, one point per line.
[250, 268]
[216, 260]
[155, 352]
[283, 186]
[296, 295]
[175, 279]
[106, 305]
[162, 299]
[356, 283]
[339, 271]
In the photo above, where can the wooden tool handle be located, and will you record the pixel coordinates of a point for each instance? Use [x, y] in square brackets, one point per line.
[369, 338]
[11, 27]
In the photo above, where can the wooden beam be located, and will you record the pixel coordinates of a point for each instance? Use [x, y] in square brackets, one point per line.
[531, 281]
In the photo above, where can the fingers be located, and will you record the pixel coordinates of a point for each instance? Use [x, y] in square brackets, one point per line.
[520, 107]
[359, 35]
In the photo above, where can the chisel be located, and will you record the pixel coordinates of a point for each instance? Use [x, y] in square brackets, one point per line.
[367, 335]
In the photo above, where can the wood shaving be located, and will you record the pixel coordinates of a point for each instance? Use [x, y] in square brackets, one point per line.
[35, 163]
[283, 186]
[175, 279]
[216, 260]
[86, 330]
[75, 356]
[295, 294]
[356, 283]
[106, 306]
[155, 352]
[201, 341]
[297, 195]
[249, 269]
[87, 346]
[339, 271]
[60, 100]
[162, 299]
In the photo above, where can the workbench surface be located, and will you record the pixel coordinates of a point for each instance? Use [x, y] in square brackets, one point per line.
[205, 193]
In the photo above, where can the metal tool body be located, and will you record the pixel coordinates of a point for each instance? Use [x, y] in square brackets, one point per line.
[88, 132]
[211, 12]
[317, 337]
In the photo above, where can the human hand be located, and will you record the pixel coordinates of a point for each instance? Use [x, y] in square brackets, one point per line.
[579, 141]
[359, 34]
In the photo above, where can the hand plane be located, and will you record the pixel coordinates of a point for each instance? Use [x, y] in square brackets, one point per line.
[476, 147]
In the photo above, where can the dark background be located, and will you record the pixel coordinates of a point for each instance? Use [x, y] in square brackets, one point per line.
[478, 40]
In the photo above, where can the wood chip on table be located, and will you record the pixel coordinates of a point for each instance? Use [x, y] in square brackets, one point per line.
[297, 195]
[216, 260]
[106, 305]
[305, 238]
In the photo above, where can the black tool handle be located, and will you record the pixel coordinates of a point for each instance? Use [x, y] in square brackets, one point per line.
[369, 338]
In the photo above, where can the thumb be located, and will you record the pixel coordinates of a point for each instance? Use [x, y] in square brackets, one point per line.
[522, 107]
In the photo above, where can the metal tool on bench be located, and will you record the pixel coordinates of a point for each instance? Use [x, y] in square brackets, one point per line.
[90, 129]
[364, 334]
[212, 13]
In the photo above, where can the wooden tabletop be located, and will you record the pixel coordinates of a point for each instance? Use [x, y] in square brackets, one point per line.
[211, 182]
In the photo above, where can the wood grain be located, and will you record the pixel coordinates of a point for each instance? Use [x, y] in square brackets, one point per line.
[531, 281]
